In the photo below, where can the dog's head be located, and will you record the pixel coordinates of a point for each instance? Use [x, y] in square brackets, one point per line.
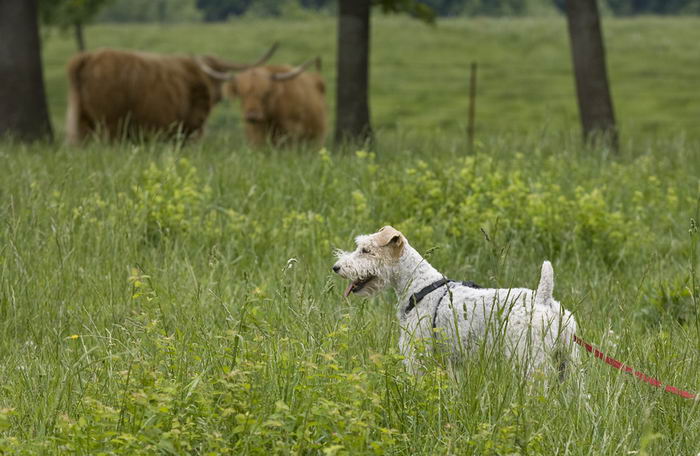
[369, 266]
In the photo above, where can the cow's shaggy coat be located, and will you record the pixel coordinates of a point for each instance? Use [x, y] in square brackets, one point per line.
[122, 93]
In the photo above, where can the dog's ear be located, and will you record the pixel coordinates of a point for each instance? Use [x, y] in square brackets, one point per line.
[391, 237]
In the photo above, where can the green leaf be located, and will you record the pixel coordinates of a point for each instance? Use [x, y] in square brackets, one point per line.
[413, 8]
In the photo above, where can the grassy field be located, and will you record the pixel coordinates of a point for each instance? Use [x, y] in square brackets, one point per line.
[157, 299]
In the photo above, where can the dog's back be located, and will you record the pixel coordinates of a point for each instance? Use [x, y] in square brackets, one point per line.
[534, 327]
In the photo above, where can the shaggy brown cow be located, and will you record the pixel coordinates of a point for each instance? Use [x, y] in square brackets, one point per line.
[128, 93]
[281, 104]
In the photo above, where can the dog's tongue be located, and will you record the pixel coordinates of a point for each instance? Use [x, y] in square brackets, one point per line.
[348, 290]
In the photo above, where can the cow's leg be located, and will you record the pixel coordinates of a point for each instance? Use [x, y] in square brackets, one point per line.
[293, 131]
[256, 135]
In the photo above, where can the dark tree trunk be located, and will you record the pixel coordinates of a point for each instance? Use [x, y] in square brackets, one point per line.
[23, 111]
[161, 11]
[79, 35]
[352, 107]
[588, 54]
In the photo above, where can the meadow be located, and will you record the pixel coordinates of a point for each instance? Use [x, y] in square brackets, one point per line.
[178, 299]
[420, 74]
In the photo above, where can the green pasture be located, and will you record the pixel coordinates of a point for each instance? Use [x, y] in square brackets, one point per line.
[420, 74]
[156, 299]
[167, 299]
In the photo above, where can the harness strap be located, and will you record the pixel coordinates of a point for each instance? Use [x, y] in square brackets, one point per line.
[437, 306]
[418, 297]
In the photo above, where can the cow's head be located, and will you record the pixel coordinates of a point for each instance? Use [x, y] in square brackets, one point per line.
[255, 87]
[221, 71]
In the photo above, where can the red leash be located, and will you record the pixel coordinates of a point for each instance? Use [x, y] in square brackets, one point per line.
[629, 370]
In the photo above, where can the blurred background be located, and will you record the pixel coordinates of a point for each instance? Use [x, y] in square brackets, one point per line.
[420, 56]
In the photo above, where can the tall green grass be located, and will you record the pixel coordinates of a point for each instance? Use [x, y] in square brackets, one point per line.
[163, 299]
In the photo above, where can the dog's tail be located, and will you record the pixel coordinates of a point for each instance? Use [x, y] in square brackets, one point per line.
[546, 287]
[565, 351]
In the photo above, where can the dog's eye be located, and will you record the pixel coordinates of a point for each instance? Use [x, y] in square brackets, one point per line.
[365, 250]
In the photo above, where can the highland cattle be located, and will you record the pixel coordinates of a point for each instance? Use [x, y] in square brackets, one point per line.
[281, 105]
[123, 94]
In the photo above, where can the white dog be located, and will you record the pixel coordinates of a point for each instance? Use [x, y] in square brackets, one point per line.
[459, 316]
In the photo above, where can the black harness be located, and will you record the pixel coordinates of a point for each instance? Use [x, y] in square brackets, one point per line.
[418, 296]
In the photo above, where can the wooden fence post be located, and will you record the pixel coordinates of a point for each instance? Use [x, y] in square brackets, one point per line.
[472, 107]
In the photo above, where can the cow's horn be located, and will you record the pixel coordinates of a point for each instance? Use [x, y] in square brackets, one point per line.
[291, 74]
[267, 55]
[220, 75]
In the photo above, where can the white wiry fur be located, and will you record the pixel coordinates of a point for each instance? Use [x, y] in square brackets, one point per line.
[533, 329]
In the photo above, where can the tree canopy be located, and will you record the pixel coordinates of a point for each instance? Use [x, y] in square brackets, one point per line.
[163, 11]
[66, 13]
[218, 10]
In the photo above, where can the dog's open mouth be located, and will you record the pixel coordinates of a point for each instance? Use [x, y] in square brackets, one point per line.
[357, 285]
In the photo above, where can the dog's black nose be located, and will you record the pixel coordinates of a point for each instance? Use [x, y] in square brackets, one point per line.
[336, 268]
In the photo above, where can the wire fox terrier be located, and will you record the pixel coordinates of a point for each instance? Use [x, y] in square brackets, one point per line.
[457, 317]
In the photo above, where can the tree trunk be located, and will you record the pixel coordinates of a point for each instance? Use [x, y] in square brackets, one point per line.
[23, 111]
[161, 11]
[352, 121]
[588, 54]
[79, 35]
